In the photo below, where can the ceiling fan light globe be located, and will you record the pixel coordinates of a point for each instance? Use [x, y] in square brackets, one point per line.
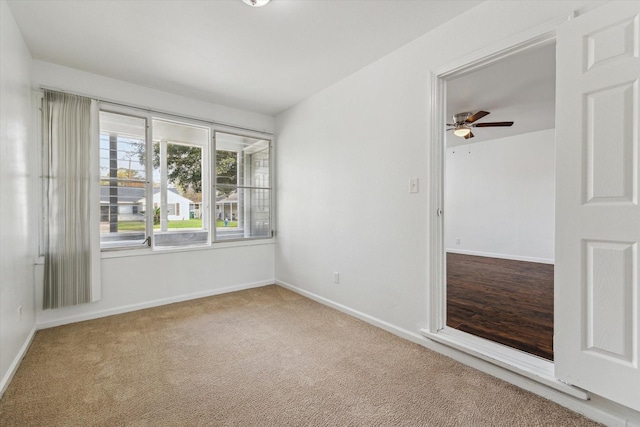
[462, 132]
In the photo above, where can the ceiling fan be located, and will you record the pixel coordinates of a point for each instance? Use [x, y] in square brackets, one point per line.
[463, 122]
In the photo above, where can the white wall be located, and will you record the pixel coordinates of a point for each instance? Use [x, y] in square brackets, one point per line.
[345, 157]
[131, 280]
[499, 197]
[135, 282]
[63, 78]
[17, 232]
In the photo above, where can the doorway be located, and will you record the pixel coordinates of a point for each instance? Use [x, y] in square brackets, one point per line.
[499, 202]
[596, 257]
[501, 108]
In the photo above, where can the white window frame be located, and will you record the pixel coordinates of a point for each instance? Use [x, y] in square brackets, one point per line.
[247, 185]
[206, 176]
[148, 114]
[148, 163]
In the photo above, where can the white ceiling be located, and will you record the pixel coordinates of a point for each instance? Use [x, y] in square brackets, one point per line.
[519, 88]
[259, 59]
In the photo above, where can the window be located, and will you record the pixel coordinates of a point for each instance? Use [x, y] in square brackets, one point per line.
[242, 187]
[123, 178]
[179, 179]
[157, 189]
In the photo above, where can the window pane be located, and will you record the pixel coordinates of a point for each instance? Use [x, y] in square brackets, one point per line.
[257, 167]
[239, 157]
[226, 167]
[257, 214]
[244, 213]
[122, 180]
[243, 197]
[179, 152]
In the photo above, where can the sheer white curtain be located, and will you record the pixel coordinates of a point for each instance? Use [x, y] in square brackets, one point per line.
[72, 263]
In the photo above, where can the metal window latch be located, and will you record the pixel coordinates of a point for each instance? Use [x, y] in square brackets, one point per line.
[147, 241]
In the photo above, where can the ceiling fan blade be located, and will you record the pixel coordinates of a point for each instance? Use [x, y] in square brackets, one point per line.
[491, 124]
[476, 116]
[469, 135]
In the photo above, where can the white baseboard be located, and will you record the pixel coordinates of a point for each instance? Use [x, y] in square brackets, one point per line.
[502, 256]
[16, 361]
[406, 334]
[148, 304]
[599, 413]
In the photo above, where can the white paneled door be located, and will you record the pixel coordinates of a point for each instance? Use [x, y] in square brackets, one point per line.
[597, 297]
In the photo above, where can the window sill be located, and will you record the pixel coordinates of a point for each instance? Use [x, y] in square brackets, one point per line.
[129, 252]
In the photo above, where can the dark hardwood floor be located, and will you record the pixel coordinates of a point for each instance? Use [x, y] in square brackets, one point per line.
[509, 302]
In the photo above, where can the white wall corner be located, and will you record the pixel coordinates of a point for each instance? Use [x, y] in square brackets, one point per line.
[15, 364]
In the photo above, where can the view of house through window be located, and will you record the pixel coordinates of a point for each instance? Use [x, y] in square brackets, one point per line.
[180, 184]
[169, 199]
[242, 187]
[122, 180]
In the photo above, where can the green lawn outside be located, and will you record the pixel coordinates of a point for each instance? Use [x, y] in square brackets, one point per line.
[220, 223]
[131, 226]
[187, 223]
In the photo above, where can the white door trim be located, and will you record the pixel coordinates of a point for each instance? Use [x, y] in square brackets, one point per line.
[517, 361]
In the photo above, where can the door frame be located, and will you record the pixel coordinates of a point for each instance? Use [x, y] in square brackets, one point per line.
[517, 361]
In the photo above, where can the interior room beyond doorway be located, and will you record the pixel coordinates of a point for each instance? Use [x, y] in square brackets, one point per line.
[499, 203]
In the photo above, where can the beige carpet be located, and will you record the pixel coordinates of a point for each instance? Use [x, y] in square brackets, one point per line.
[261, 357]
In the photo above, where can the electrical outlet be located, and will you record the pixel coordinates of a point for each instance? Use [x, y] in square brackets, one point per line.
[336, 277]
[458, 241]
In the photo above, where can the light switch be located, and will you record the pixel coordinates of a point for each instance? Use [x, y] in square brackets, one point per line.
[413, 185]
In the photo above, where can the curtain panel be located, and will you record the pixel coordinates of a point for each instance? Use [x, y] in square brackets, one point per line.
[71, 270]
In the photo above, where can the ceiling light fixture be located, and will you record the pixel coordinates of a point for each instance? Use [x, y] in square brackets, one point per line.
[463, 122]
[461, 131]
[256, 3]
